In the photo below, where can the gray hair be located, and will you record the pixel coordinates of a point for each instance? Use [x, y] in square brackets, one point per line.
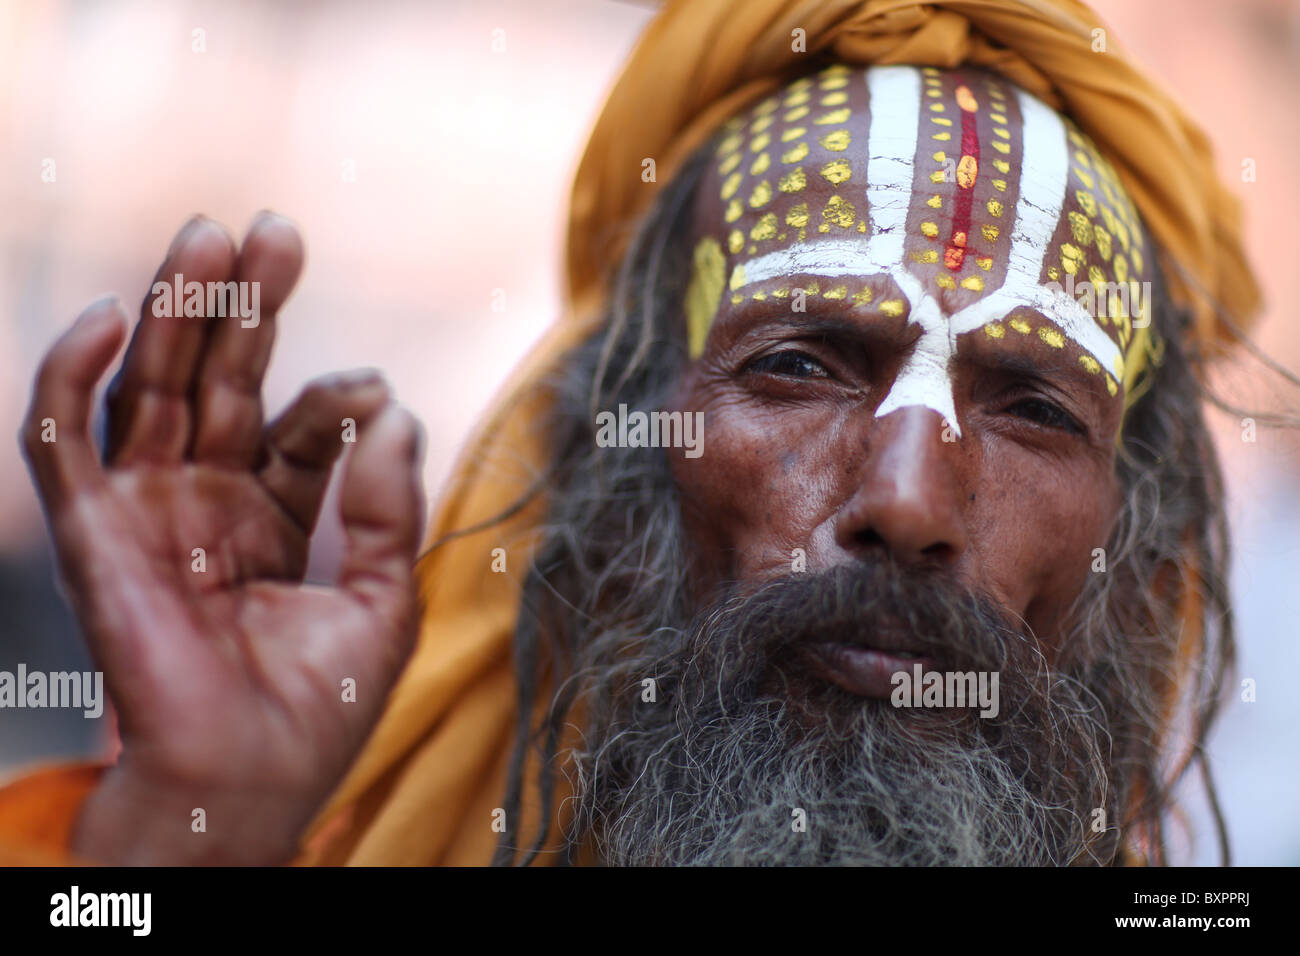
[611, 566]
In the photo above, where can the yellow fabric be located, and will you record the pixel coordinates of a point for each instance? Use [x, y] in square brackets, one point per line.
[424, 789]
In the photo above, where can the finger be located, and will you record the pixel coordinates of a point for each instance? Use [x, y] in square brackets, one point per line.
[382, 508]
[228, 406]
[305, 441]
[56, 431]
[149, 402]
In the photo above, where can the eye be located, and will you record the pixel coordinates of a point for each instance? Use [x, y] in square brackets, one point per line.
[790, 362]
[1047, 414]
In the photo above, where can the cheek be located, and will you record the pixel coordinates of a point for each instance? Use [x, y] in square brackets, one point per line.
[764, 486]
[1034, 529]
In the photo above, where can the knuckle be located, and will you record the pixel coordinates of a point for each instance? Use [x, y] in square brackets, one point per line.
[240, 379]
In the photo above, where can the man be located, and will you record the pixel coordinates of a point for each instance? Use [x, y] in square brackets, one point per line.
[950, 427]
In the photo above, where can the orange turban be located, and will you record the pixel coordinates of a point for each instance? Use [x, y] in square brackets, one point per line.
[425, 788]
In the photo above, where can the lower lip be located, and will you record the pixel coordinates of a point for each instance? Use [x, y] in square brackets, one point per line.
[863, 670]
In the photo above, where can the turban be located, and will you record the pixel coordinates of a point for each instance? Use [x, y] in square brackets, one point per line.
[426, 788]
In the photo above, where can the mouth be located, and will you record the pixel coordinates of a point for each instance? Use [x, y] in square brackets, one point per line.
[862, 670]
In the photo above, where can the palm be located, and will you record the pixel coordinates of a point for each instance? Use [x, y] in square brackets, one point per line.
[211, 563]
[184, 551]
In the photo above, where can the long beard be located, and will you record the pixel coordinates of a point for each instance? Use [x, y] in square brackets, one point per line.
[736, 754]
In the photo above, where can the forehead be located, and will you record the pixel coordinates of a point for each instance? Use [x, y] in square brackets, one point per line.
[947, 197]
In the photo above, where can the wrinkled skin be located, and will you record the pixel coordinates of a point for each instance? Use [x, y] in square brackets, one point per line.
[795, 455]
[227, 683]
[795, 458]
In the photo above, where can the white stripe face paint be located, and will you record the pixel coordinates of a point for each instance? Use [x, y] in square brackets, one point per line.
[1044, 176]
[924, 379]
[895, 104]
[829, 257]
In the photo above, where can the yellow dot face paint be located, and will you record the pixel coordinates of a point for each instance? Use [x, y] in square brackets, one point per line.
[793, 181]
[947, 198]
[795, 154]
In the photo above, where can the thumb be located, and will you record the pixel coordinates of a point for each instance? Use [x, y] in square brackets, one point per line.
[382, 507]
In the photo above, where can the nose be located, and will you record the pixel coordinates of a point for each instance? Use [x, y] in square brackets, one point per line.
[908, 498]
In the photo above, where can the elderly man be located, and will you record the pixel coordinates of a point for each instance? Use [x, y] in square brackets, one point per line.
[938, 580]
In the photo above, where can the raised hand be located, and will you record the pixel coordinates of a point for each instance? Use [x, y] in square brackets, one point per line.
[182, 550]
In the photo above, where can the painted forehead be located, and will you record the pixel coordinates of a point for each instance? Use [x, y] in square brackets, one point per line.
[987, 211]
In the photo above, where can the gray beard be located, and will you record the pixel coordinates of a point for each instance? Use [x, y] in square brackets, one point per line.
[742, 760]
[753, 791]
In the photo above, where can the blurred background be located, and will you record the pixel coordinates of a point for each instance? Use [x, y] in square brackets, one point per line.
[426, 150]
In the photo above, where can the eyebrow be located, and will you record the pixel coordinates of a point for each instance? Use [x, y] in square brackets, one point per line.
[1008, 362]
[1059, 373]
[812, 324]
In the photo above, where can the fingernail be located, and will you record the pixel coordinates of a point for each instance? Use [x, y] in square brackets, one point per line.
[99, 306]
[184, 234]
[352, 378]
[357, 376]
[263, 215]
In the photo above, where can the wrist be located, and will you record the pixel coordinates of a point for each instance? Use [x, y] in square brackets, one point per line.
[128, 821]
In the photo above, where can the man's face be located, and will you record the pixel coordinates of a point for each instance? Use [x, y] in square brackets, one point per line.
[929, 394]
[908, 463]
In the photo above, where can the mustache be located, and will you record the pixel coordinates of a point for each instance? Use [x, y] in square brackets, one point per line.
[875, 603]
